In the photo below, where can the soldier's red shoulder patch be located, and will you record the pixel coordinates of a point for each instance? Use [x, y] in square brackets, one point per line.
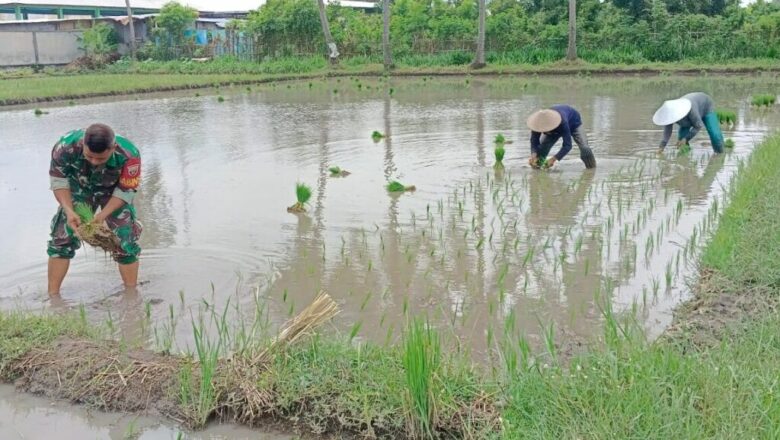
[131, 174]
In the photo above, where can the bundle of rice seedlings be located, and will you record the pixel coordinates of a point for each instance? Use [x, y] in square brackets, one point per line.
[499, 153]
[336, 171]
[94, 234]
[500, 139]
[396, 187]
[39, 112]
[763, 100]
[726, 117]
[729, 143]
[320, 311]
[541, 163]
[303, 194]
[377, 136]
[685, 149]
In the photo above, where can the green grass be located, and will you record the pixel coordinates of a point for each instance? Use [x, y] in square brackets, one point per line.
[763, 100]
[726, 117]
[125, 77]
[421, 359]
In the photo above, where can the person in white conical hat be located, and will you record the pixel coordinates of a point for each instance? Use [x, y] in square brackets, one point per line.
[690, 112]
[549, 125]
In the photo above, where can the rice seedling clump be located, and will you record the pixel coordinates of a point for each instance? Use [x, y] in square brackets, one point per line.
[764, 100]
[396, 187]
[726, 117]
[302, 194]
[92, 233]
[336, 171]
[499, 153]
[729, 143]
[377, 136]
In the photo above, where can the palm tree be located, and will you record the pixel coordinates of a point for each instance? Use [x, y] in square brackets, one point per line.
[571, 53]
[386, 49]
[132, 28]
[479, 60]
[333, 53]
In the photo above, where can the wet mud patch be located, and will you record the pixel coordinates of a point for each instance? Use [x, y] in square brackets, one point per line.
[718, 308]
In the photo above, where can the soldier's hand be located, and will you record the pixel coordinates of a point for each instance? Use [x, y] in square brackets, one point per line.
[74, 221]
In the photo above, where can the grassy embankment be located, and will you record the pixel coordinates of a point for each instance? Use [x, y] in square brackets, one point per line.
[24, 86]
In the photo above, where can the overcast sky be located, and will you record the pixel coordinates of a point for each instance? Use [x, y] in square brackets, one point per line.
[245, 5]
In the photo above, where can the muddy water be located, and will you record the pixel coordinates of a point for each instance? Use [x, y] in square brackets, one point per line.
[23, 417]
[472, 248]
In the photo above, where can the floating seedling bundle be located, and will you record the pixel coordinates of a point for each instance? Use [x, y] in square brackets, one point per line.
[499, 153]
[92, 233]
[336, 171]
[398, 187]
[764, 100]
[303, 194]
[729, 143]
[726, 117]
[377, 136]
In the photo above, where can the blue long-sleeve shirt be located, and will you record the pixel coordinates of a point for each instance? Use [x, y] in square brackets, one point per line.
[570, 121]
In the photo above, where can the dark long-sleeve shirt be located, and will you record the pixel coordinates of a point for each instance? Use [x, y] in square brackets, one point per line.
[701, 104]
[570, 121]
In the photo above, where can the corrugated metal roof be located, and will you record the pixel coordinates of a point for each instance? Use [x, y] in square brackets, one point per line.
[145, 4]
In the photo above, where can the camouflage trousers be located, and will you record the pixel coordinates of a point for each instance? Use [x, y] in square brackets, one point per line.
[122, 222]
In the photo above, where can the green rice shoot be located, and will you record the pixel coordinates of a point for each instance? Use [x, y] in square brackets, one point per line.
[376, 136]
[729, 143]
[84, 212]
[334, 170]
[421, 359]
[726, 117]
[302, 193]
[685, 149]
[500, 139]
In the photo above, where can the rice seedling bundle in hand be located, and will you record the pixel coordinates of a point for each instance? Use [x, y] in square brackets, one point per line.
[685, 149]
[377, 136]
[303, 194]
[94, 234]
[396, 187]
[336, 171]
[726, 117]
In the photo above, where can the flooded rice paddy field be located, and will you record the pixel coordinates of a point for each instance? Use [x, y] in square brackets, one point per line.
[473, 248]
[24, 417]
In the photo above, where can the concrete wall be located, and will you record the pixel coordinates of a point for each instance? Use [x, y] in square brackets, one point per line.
[38, 47]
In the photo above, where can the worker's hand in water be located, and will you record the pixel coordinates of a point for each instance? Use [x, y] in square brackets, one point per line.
[550, 162]
[660, 150]
[73, 219]
[681, 142]
[533, 161]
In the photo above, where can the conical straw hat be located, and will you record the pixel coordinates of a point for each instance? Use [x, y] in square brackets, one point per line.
[544, 120]
[672, 111]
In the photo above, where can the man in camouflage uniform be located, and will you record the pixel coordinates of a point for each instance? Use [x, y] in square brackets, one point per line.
[103, 170]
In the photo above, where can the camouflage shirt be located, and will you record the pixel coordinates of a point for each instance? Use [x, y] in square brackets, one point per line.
[119, 177]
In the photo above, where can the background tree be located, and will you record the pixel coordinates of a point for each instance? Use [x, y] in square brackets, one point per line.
[571, 52]
[479, 59]
[387, 50]
[333, 52]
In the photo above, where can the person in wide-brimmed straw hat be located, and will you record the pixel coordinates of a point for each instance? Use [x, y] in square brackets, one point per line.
[549, 125]
[690, 112]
